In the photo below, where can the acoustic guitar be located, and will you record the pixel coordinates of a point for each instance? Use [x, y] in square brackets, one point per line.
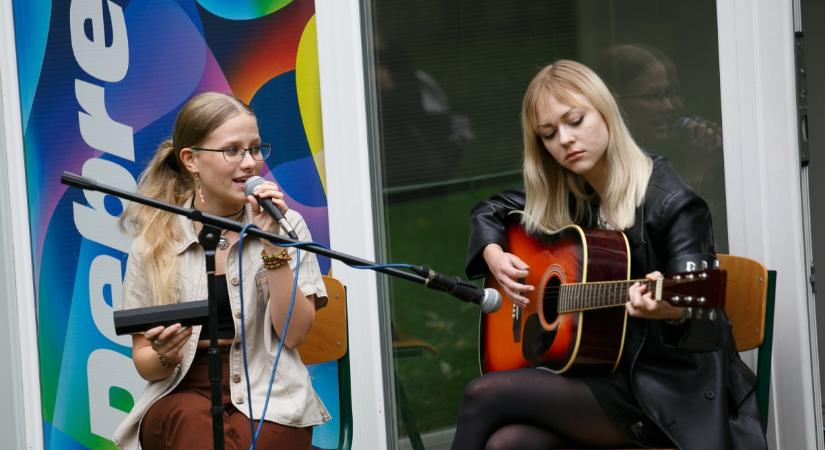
[576, 319]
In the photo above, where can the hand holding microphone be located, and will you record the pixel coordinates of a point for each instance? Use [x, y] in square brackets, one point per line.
[267, 204]
[698, 132]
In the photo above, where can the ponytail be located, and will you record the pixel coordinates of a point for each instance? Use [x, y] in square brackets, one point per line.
[163, 180]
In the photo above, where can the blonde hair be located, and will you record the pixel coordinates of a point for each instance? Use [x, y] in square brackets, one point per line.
[166, 179]
[549, 187]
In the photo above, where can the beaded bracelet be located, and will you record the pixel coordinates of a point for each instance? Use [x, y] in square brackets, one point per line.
[274, 261]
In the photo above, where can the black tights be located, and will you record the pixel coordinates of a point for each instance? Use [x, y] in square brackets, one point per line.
[532, 409]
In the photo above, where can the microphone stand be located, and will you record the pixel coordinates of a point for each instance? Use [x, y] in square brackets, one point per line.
[213, 222]
[208, 238]
[81, 182]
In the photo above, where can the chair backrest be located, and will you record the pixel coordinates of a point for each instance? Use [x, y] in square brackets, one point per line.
[327, 343]
[746, 295]
[327, 340]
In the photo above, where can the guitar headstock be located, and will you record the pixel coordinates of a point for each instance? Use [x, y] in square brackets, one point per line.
[700, 289]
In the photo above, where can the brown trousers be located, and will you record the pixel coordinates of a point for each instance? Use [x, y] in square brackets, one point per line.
[182, 419]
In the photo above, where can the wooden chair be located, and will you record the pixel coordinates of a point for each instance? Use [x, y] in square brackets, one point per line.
[327, 341]
[749, 305]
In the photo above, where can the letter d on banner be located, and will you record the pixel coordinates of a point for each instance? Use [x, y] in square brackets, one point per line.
[113, 387]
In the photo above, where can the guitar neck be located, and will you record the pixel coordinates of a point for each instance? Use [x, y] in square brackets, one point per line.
[601, 294]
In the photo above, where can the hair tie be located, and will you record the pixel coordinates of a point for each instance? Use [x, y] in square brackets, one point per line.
[172, 161]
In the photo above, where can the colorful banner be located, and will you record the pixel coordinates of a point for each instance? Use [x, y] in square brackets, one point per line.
[100, 85]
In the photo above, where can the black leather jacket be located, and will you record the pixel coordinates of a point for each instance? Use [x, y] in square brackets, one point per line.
[687, 378]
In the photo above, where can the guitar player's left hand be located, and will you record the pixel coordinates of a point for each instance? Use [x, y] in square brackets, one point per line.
[641, 304]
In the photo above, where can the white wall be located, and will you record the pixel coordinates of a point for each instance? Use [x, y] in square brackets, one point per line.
[352, 214]
[10, 374]
[20, 418]
[764, 202]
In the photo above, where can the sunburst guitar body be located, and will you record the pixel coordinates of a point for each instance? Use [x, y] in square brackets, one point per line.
[576, 321]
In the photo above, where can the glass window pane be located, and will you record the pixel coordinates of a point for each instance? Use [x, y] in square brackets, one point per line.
[450, 79]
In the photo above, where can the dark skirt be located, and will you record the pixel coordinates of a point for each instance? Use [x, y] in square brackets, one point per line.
[615, 396]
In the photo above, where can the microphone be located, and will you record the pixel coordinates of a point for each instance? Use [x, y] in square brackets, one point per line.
[684, 125]
[488, 299]
[684, 122]
[268, 206]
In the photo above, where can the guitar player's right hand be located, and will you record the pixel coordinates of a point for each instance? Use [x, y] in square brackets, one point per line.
[507, 269]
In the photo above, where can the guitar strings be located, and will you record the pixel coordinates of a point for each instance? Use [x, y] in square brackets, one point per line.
[550, 296]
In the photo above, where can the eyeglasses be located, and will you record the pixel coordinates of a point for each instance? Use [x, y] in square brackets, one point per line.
[235, 155]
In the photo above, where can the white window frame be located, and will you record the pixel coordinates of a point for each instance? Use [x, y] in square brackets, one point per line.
[21, 422]
[764, 198]
[352, 215]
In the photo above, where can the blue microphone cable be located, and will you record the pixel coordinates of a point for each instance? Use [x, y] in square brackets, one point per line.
[256, 430]
[255, 433]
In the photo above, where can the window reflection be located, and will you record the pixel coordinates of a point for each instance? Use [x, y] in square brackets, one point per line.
[646, 83]
[424, 139]
[450, 76]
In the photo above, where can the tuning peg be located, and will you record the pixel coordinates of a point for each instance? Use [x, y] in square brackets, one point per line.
[688, 299]
[675, 300]
[703, 275]
[689, 276]
[699, 314]
[700, 301]
[716, 264]
[712, 315]
[690, 266]
[704, 265]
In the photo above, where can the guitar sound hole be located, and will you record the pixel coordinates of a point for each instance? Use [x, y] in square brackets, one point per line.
[550, 302]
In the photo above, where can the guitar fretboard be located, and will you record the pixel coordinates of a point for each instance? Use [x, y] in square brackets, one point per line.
[601, 294]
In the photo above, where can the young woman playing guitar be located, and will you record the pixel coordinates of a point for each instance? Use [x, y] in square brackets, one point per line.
[678, 382]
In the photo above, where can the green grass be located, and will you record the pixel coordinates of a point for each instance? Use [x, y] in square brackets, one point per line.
[433, 232]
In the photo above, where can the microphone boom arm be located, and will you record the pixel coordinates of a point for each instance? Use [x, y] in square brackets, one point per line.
[74, 180]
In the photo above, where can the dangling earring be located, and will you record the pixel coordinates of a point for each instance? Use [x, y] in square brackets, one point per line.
[198, 188]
